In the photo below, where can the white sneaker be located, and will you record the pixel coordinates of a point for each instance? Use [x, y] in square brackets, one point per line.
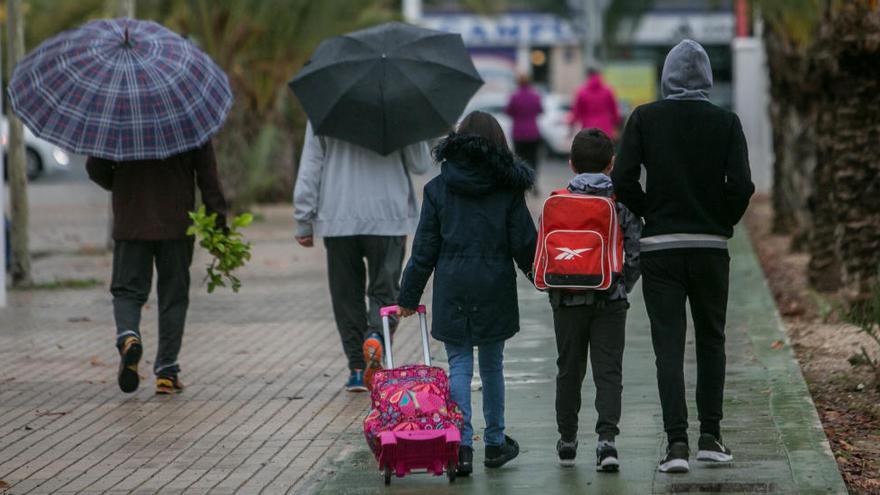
[712, 450]
[676, 459]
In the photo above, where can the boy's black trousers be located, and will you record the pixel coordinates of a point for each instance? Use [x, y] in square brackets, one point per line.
[700, 276]
[597, 329]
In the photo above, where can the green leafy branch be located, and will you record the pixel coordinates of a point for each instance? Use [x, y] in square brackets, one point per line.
[230, 252]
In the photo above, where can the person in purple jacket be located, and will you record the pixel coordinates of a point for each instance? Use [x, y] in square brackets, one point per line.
[524, 107]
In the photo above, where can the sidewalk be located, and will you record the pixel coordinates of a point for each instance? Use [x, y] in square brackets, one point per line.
[264, 411]
[771, 424]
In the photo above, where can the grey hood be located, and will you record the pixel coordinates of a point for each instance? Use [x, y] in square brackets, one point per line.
[687, 73]
[593, 184]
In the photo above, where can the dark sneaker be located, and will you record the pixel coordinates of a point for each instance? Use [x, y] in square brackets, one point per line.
[465, 461]
[168, 385]
[566, 451]
[676, 459]
[355, 381]
[373, 357]
[499, 455]
[712, 450]
[606, 458]
[129, 357]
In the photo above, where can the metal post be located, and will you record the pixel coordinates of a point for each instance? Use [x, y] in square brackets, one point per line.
[412, 11]
[2, 206]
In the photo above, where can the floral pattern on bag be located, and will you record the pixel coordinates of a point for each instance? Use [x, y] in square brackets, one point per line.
[410, 398]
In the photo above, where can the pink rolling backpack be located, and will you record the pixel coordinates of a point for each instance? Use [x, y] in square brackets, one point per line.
[413, 423]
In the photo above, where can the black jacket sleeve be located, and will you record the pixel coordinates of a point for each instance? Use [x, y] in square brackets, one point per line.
[425, 251]
[521, 235]
[738, 186]
[631, 226]
[628, 168]
[209, 183]
[101, 172]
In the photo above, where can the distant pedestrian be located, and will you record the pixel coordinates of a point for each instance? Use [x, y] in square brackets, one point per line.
[474, 224]
[151, 200]
[524, 107]
[595, 105]
[593, 322]
[698, 187]
[363, 204]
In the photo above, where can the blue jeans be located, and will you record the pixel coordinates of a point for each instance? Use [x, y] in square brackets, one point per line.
[461, 372]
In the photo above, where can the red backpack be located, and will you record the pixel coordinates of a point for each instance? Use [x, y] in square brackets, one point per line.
[580, 245]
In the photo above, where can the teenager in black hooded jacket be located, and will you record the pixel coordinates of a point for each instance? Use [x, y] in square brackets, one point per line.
[474, 226]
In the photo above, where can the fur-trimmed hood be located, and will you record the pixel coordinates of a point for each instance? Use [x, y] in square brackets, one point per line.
[473, 166]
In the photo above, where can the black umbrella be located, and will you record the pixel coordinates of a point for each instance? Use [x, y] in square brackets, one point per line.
[388, 86]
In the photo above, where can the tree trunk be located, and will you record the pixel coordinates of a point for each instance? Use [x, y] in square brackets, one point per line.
[21, 262]
[849, 147]
[793, 118]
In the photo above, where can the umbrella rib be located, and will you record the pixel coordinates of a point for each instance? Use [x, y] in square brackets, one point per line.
[436, 62]
[422, 95]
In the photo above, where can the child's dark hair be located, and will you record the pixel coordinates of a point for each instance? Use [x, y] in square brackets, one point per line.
[484, 125]
[591, 151]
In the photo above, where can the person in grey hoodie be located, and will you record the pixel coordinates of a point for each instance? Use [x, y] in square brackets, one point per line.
[363, 205]
[592, 322]
[698, 187]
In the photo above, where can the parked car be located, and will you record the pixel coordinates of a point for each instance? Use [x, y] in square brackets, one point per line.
[42, 156]
[553, 124]
[556, 135]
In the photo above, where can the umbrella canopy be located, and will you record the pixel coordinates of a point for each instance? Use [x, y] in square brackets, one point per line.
[121, 89]
[388, 86]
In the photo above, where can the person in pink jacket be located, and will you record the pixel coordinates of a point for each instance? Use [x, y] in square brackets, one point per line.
[595, 106]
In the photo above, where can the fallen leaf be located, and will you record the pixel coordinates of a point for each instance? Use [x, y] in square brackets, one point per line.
[95, 361]
[3, 485]
[845, 446]
[777, 344]
[50, 413]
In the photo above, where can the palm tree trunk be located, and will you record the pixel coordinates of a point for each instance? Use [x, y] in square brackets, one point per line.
[21, 262]
[849, 147]
[793, 118]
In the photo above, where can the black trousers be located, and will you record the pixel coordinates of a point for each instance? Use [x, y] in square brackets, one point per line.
[132, 280]
[349, 287]
[669, 278]
[528, 151]
[600, 330]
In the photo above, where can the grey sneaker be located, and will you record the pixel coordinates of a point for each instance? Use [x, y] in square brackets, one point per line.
[606, 457]
[566, 451]
[676, 459]
[712, 450]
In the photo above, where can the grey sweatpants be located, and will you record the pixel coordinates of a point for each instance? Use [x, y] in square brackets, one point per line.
[349, 287]
[132, 279]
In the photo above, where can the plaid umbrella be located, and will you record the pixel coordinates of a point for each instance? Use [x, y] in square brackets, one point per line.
[121, 89]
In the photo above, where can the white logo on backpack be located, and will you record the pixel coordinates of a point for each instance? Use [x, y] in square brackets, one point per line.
[569, 254]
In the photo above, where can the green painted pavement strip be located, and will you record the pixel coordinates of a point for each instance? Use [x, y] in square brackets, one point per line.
[770, 421]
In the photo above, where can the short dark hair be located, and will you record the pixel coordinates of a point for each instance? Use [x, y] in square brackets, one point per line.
[484, 125]
[591, 151]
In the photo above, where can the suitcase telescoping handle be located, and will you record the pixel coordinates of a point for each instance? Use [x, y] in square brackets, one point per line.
[385, 313]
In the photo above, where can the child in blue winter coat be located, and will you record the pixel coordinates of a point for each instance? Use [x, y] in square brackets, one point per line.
[474, 226]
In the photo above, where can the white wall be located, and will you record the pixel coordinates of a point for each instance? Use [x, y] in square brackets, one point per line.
[751, 100]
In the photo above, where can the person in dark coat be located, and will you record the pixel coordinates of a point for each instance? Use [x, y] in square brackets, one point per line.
[474, 227]
[697, 188]
[151, 200]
